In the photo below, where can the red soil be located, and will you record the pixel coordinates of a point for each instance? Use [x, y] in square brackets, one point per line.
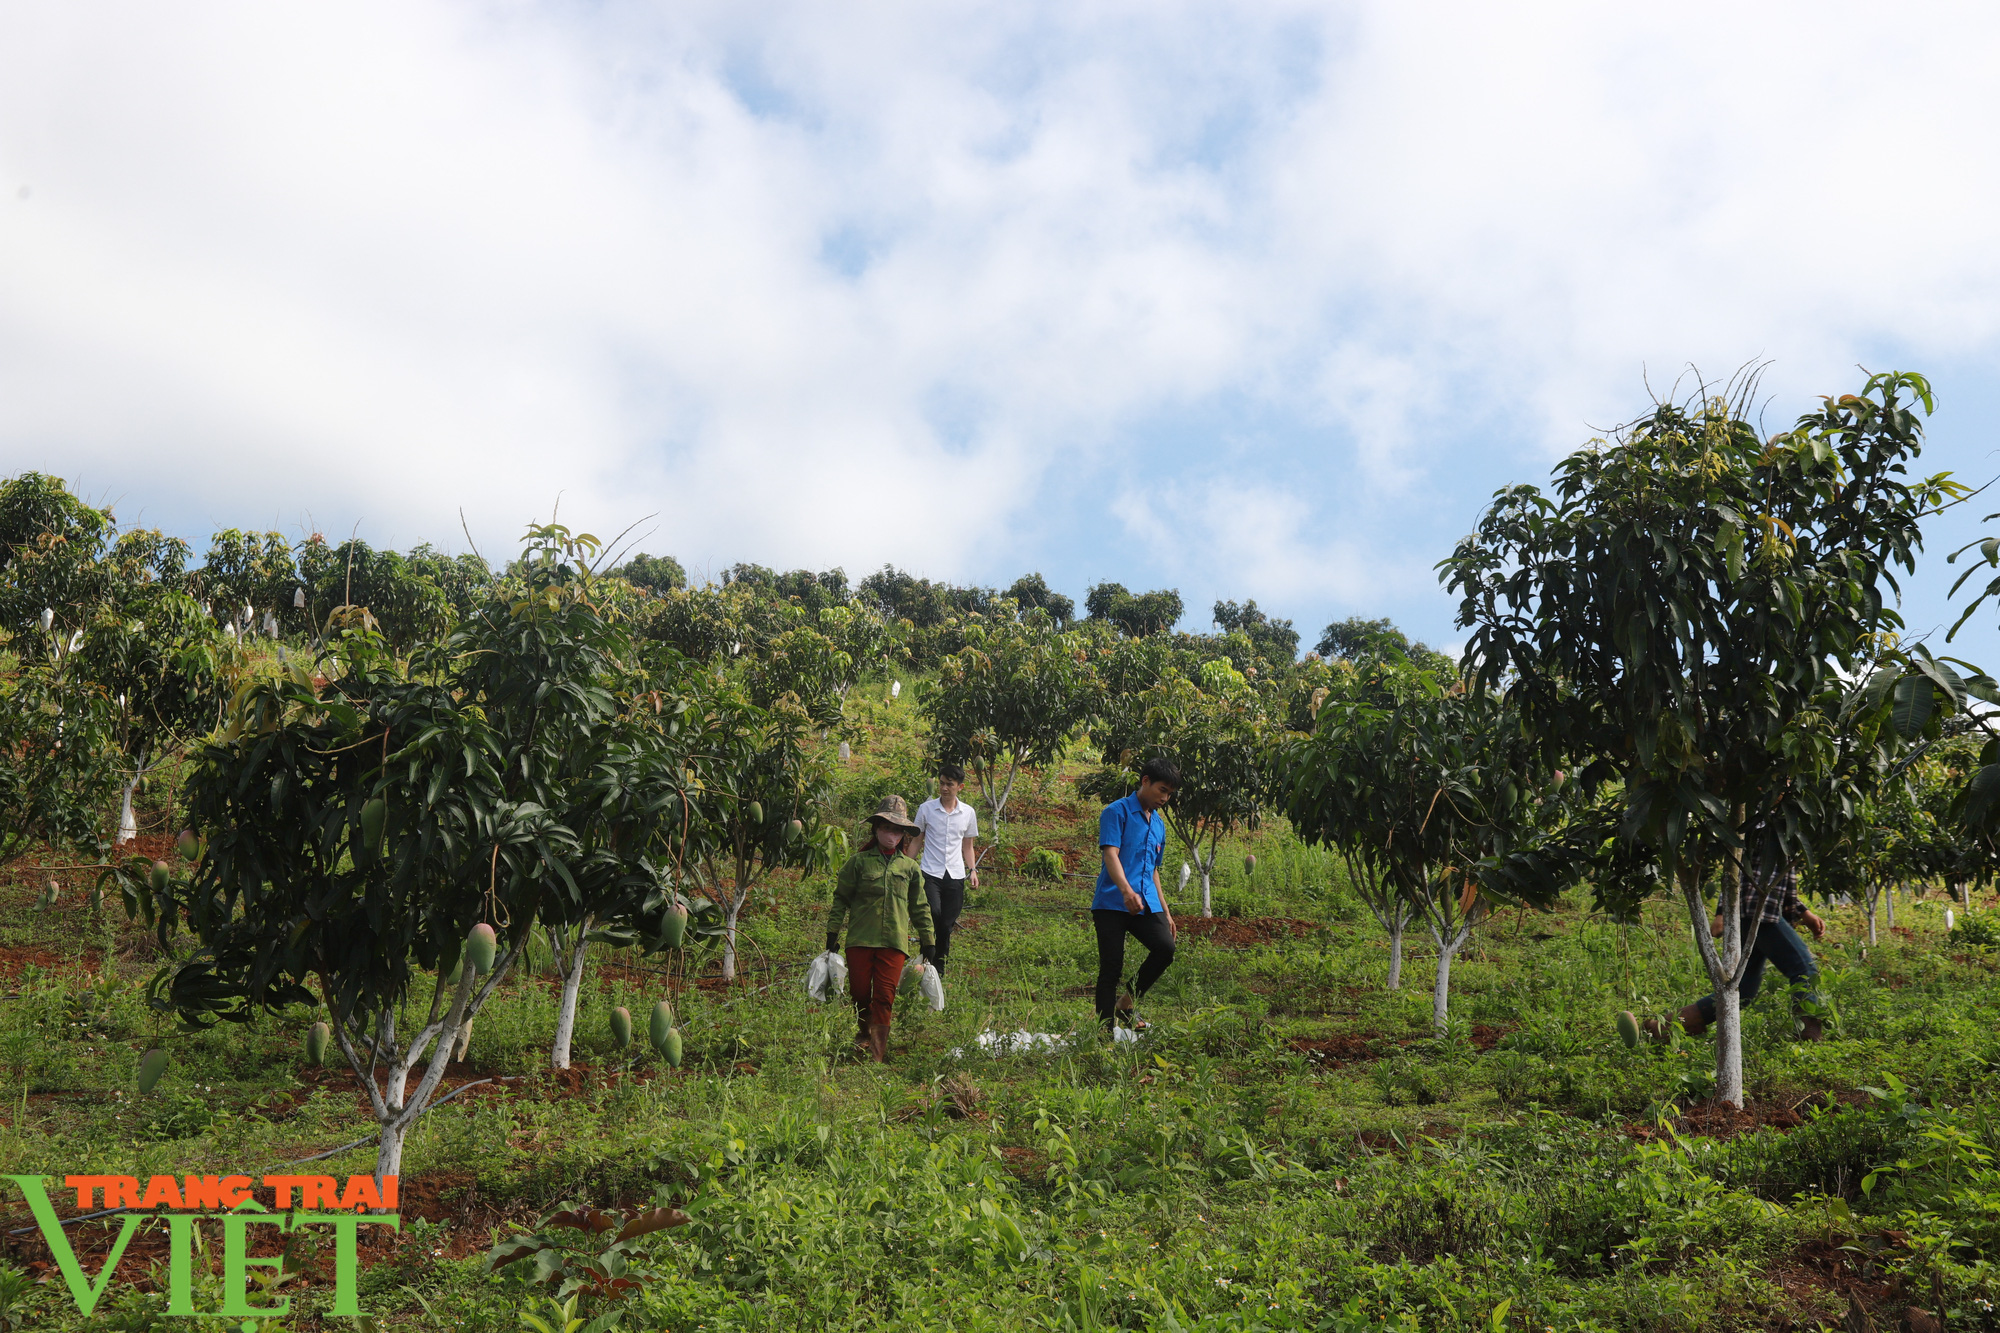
[1243, 932]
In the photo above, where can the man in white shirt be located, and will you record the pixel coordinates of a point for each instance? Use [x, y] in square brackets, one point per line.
[949, 861]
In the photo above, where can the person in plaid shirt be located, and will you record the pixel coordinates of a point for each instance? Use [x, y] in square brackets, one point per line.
[1773, 940]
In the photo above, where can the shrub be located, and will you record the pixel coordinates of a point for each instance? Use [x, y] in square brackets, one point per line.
[1043, 864]
[1976, 932]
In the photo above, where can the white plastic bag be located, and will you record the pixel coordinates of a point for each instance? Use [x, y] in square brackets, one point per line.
[1024, 1042]
[826, 977]
[921, 979]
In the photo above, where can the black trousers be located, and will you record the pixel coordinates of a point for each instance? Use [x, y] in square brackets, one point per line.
[1150, 929]
[947, 901]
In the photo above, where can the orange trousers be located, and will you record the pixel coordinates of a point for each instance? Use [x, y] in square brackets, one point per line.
[872, 978]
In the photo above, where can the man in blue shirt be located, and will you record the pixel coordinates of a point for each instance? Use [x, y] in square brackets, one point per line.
[1131, 835]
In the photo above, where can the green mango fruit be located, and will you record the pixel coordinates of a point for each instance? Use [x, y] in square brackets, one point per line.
[621, 1027]
[161, 876]
[1628, 1029]
[797, 829]
[676, 926]
[661, 1030]
[480, 947]
[1249, 865]
[189, 845]
[151, 1065]
[756, 812]
[374, 814]
[670, 1049]
[317, 1037]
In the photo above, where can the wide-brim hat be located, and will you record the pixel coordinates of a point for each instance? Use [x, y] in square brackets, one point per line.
[893, 811]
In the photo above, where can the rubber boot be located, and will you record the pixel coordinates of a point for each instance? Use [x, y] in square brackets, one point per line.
[1815, 1029]
[878, 1042]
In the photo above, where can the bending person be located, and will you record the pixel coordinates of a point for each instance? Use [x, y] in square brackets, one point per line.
[1772, 940]
[879, 898]
[1131, 835]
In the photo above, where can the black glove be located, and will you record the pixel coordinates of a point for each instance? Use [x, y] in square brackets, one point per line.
[833, 941]
[927, 952]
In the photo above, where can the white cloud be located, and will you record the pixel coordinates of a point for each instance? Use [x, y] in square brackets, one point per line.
[737, 265]
[1233, 535]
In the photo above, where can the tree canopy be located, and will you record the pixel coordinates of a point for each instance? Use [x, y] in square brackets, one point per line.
[1675, 613]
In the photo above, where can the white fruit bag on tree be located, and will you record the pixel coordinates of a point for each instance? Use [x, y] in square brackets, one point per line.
[826, 977]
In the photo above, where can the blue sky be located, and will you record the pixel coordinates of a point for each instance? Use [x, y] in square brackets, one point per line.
[1253, 300]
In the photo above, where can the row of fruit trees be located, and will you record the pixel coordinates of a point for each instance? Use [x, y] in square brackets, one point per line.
[426, 764]
[1681, 655]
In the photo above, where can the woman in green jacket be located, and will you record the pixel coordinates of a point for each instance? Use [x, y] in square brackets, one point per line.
[879, 898]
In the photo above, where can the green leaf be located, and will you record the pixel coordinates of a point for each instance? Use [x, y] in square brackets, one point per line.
[1945, 678]
[1915, 699]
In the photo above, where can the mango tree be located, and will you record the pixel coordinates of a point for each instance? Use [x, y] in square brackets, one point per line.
[1433, 798]
[1323, 782]
[1013, 697]
[51, 550]
[1672, 616]
[158, 660]
[700, 623]
[409, 607]
[545, 661]
[760, 787]
[1137, 615]
[807, 666]
[1958, 849]
[1878, 849]
[59, 761]
[60, 734]
[356, 834]
[1220, 733]
[255, 570]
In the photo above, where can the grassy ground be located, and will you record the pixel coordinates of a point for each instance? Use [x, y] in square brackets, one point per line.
[1289, 1148]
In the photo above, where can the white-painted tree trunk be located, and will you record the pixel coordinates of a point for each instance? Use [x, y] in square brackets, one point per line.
[1207, 879]
[389, 1152]
[1729, 1045]
[1725, 967]
[1390, 909]
[570, 961]
[395, 1104]
[1441, 991]
[1889, 906]
[1449, 931]
[1873, 894]
[731, 911]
